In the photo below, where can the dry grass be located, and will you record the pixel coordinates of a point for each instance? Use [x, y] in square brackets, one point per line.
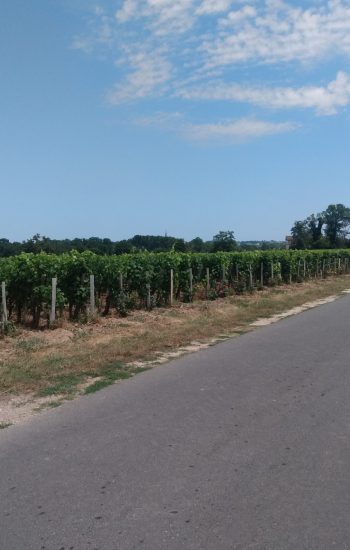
[58, 362]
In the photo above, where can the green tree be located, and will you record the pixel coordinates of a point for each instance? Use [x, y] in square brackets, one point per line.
[224, 241]
[337, 221]
[301, 235]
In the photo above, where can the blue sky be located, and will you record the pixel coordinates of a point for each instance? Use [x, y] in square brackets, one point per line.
[123, 117]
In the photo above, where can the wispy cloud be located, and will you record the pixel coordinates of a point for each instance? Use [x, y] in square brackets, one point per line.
[100, 32]
[326, 100]
[279, 32]
[149, 74]
[204, 49]
[224, 132]
[213, 6]
[237, 131]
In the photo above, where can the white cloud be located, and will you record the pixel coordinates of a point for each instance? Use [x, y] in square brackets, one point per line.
[325, 100]
[161, 16]
[198, 50]
[231, 131]
[279, 32]
[149, 73]
[213, 6]
[237, 131]
[101, 33]
[236, 16]
[128, 10]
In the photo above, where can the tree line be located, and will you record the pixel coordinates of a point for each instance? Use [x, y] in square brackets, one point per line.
[328, 229]
[222, 241]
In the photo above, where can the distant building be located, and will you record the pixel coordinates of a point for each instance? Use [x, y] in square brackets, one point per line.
[289, 241]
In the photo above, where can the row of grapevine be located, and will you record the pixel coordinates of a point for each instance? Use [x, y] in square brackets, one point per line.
[132, 280]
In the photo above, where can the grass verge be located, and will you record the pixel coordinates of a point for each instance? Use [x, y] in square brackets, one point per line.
[73, 359]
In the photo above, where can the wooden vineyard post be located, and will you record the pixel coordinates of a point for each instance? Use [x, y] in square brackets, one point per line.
[92, 295]
[208, 280]
[223, 274]
[171, 287]
[272, 274]
[53, 300]
[290, 274]
[250, 276]
[3, 305]
[190, 274]
[148, 298]
[237, 273]
[323, 268]
[121, 282]
[262, 274]
[298, 269]
[317, 269]
[304, 271]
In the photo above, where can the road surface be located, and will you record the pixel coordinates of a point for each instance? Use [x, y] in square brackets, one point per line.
[245, 445]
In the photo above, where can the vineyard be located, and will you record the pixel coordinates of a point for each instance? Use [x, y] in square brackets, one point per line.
[87, 284]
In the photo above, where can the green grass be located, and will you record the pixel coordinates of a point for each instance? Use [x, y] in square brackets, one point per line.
[111, 373]
[30, 344]
[4, 425]
[99, 385]
[65, 384]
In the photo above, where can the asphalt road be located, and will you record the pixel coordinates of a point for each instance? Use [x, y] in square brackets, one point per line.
[245, 445]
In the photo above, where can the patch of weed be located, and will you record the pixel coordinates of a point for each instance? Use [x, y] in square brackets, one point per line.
[54, 361]
[49, 405]
[4, 425]
[99, 385]
[29, 344]
[65, 384]
[111, 373]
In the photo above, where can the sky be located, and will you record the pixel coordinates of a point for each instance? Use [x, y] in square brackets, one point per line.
[187, 117]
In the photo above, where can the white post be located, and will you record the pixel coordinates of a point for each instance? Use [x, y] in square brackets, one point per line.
[3, 302]
[250, 277]
[171, 286]
[272, 271]
[53, 300]
[92, 294]
[304, 269]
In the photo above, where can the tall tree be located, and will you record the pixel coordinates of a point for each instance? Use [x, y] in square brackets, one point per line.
[224, 241]
[301, 235]
[337, 221]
